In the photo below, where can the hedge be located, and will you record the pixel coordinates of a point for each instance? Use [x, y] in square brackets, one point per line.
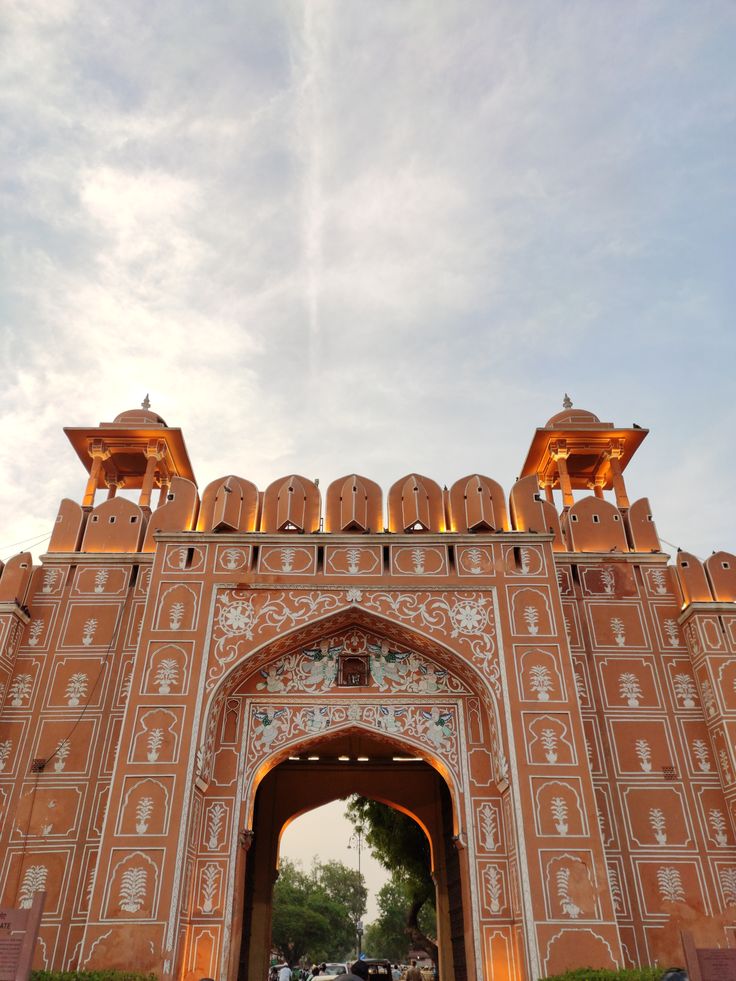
[604, 974]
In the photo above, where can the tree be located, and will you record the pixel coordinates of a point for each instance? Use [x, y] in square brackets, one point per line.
[387, 936]
[341, 882]
[309, 919]
[401, 846]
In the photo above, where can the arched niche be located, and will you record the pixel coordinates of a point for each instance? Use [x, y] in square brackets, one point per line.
[595, 525]
[354, 503]
[291, 504]
[530, 512]
[477, 503]
[415, 504]
[229, 504]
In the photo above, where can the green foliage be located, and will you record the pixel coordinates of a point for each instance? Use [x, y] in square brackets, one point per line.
[91, 976]
[387, 935]
[602, 974]
[313, 911]
[401, 846]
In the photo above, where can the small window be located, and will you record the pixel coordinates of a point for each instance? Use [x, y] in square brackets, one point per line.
[725, 565]
[573, 517]
[112, 519]
[170, 497]
[95, 517]
[684, 565]
[617, 517]
[596, 519]
[538, 496]
[133, 518]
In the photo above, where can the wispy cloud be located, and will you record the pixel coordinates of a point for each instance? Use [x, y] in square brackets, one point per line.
[382, 236]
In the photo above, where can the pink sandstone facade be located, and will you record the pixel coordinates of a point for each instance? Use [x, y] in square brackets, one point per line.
[172, 664]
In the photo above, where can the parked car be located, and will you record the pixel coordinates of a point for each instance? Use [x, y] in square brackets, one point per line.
[378, 967]
[333, 970]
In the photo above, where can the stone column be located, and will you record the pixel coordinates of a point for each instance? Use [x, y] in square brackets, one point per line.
[619, 488]
[560, 455]
[99, 452]
[155, 452]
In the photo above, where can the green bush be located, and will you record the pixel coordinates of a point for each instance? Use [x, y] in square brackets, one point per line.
[91, 976]
[603, 974]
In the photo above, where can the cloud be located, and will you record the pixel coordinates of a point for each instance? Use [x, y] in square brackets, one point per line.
[381, 236]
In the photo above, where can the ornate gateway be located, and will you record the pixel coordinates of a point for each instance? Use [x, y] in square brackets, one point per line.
[551, 701]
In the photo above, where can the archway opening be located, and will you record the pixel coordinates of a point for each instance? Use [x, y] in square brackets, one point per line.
[348, 763]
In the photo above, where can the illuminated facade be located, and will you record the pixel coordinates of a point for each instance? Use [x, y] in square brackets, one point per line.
[548, 698]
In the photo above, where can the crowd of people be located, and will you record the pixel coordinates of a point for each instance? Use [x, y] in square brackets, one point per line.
[359, 971]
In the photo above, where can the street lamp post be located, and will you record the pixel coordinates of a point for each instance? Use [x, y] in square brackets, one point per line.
[356, 842]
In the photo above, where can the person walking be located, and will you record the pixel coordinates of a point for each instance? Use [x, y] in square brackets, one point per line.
[413, 974]
[285, 973]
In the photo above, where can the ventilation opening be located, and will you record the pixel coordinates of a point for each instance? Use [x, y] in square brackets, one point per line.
[725, 565]
[684, 565]
[133, 518]
[596, 519]
[169, 497]
[95, 517]
[669, 773]
[538, 497]
[573, 517]
[112, 519]
[617, 517]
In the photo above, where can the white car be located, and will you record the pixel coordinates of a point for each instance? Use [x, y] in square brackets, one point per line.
[332, 970]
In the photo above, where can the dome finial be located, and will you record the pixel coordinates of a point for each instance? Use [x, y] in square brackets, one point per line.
[566, 402]
[146, 403]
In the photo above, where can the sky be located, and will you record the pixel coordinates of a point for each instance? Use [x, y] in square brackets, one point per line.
[382, 236]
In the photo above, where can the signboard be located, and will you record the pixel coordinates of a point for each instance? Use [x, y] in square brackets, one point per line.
[18, 935]
[708, 964]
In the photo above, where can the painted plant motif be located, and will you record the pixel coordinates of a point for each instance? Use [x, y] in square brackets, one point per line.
[475, 557]
[670, 884]
[34, 880]
[629, 688]
[287, 558]
[61, 754]
[492, 883]
[5, 746]
[215, 818]
[558, 806]
[154, 743]
[49, 580]
[728, 885]
[76, 688]
[673, 632]
[353, 559]
[232, 558]
[20, 689]
[133, 886]
[658, 580]
[709, 699]
[569, 908]
[101, 577]
[143, 812]
[167, 674]
[616, 894]
[701, 754]
[417, 560]
[176, 615]
[488, 826]
[531, 619]
[644, 752]
[659, 824]
[35, 629]
[525, 560]
[685, 689]
[718, 825]
[608, 580]
[618, 630]
[725, 764]
[210, 882]
[540, 681]
[549, 741]
[88, 630]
